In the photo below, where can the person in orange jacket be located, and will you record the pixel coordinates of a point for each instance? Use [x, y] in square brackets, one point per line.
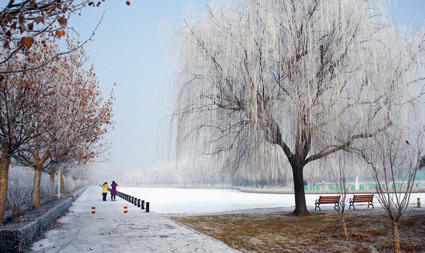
[105, 190]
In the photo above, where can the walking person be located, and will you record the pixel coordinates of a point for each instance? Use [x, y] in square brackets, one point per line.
[113, 191]
[105, 190]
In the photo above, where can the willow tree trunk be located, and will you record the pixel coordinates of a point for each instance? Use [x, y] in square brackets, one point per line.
[63, 188]
[396, 237]
[4, 182]
[52, 184]
[36, 186]
[299, 191]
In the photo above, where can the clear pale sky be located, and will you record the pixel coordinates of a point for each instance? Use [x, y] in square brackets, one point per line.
[131, 49]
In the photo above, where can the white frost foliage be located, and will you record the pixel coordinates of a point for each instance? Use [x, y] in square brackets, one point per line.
[313, 75]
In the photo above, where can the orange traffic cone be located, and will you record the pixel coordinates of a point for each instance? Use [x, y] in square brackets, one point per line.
[93, 209]
[125, 208]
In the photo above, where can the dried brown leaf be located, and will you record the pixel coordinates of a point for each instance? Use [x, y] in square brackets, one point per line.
[9, 18]
[27, 41]
[21, 17]
[63, 21]
[60, 33]
[39, 20]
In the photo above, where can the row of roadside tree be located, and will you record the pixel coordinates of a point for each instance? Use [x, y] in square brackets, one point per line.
[52, 112]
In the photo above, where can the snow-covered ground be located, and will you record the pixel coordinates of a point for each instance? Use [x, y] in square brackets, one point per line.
[109, 229]
[198, 201]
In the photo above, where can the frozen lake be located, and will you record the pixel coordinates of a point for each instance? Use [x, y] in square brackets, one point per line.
[197, 201]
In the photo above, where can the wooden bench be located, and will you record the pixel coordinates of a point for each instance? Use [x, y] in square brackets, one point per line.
[328, 200]
[361, 198]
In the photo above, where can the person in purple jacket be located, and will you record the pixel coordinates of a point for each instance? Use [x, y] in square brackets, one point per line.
[114, 191]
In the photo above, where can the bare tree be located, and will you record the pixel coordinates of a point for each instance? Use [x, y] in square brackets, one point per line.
[52, 168]
[25, 22]
[22, 116]
[394, 162]
[19, 192]
[21, 24]
[55, 112]
[50, 79]
[338, 173]
[306, 78]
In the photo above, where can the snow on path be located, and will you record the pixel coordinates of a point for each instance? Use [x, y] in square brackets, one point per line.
[112, 230]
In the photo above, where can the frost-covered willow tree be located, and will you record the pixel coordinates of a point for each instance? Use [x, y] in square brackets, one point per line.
[303, 78]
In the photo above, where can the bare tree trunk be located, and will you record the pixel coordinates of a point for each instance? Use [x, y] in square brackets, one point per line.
[4, 182]
[63, 188]
[344, 226]
[300, 203]
[36, 186]
[52, 184]
[396, 238]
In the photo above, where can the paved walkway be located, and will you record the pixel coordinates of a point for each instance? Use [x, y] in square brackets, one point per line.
[112, 230]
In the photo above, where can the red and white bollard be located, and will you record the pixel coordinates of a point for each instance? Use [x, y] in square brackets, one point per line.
[93, 209]
[125, 208]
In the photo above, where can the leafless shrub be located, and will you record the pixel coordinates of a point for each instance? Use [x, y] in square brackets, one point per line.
[19, 195]
[394, 161]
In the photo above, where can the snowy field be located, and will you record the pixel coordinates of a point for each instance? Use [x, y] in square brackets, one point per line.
[199, 201]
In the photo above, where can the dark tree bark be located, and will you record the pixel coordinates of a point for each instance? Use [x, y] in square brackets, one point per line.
[299, 191]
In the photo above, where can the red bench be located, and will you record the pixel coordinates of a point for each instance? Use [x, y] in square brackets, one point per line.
[361, 198]
[327, 200]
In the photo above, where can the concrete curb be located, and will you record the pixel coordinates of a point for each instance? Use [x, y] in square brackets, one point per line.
[15, 237]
